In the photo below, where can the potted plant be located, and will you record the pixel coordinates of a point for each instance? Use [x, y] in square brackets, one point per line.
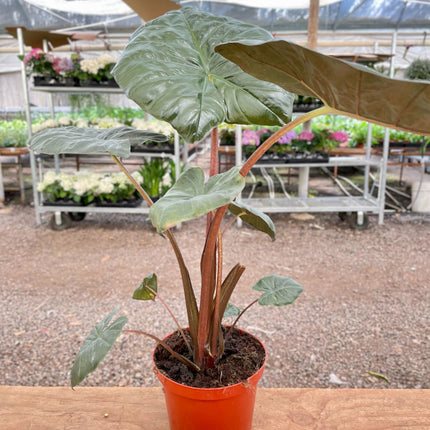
[172, 69]
[42, 65]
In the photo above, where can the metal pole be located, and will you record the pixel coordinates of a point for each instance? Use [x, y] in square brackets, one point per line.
[384, 161]
[367, 167]
[52, 112]
[29, 132]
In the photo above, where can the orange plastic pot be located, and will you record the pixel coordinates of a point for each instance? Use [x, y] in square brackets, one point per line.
[225, 408]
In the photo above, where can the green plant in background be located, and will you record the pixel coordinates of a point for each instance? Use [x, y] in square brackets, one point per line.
[201, 91]
[13, 133]
[153, 173]
[419, 69]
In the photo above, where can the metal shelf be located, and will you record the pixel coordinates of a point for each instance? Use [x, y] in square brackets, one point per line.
[37, 171]
[302, 203]
[142, 209]
[315, 204]
[52, 89]
[332, 162]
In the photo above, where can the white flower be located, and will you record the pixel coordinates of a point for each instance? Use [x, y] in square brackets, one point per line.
[49, 178]
[64, 120]
[105, 59]
[36, 128]
[90, 66]
[66, 181]
[139, 124]
[105, 186]
[50, 123]
[108, 123]
[81, 122]
[137, 177]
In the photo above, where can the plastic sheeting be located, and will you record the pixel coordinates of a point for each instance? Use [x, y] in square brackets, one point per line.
[340, 15]
[21, 13]
[276, 15]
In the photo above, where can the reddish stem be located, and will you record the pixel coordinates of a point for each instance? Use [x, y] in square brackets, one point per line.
[206, 272]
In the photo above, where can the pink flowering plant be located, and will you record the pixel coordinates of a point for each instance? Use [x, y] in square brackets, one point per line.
[38, 62]
[327, 139]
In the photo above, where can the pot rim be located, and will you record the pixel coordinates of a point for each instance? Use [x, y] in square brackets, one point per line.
[217, 392]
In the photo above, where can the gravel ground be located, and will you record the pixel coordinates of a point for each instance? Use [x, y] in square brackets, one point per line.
[365, 309]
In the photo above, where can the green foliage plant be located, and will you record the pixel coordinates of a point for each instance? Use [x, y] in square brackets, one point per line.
[419, 69]
[13, 133]
[153, 173]
[184, 69]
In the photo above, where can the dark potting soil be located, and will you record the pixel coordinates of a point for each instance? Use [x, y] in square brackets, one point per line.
[243, 356]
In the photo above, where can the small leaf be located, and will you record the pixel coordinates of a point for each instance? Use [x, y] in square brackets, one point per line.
[231, 311]
[95, 347]
[145, 293]
[85, 140]
[378, 375]
[190, 197]
[278, 290]
[253, 217]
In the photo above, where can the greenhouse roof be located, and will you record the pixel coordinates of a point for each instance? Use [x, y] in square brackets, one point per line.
[274, 15]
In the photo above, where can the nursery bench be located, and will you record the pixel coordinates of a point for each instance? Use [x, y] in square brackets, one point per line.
[11, 157]
[276, 409]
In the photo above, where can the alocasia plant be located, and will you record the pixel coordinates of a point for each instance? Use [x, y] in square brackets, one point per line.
[173, 68]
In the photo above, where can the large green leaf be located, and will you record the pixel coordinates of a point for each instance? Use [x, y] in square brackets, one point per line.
[253, 217]
[170, 69]
[95, 347]
[277, 290]
[190, 197]
[145, 291]
[348, 88]
[83, 140]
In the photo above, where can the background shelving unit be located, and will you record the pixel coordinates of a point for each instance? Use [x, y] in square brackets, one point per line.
[357, 206]
[37, 163]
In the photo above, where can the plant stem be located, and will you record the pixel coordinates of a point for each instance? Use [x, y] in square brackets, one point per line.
[238, 317]
[138, 187]
[216, 315]
[190, 299]
[232, 222]
[259, 152]
[213, 170]
[206, 289]
[179, 357]
[173, 317]
[213, 167]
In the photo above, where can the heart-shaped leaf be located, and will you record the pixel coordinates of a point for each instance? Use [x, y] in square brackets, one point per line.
[95, 347]
[231, 311]
[170, 69]
[190, 197]
[350, 89]
[277, 290]
[253, 217]
[146, 289]
[85, 140]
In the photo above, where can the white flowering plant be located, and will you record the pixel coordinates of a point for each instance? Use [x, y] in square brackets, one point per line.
[99, 68]
[84, 187]
[116, 187]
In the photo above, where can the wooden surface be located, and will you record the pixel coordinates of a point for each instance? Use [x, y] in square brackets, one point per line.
[43, 408]
[12, 151]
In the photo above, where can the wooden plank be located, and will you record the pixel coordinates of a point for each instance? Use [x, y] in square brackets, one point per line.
[49, 408]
